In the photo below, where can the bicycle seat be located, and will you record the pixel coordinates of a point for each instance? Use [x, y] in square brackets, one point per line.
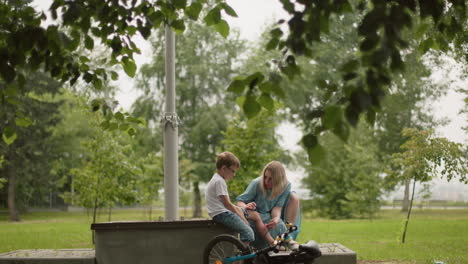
[311, 248]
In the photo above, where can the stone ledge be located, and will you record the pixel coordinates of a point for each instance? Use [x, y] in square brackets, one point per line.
[332, 253]
[46, 256]
[335, 253]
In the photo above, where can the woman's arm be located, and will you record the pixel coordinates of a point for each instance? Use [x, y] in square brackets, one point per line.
[249, 206]
[248, 195]
[275, 218]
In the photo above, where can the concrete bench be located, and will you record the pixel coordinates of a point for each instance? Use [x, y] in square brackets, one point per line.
[152, 242]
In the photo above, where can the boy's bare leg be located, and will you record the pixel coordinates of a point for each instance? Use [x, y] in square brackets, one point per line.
[260, 226]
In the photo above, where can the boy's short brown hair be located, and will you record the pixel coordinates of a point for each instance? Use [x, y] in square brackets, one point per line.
[227, 159]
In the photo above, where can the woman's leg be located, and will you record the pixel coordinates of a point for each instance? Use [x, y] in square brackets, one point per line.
[292, 208]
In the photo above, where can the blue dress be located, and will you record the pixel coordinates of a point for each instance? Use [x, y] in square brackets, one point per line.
[253, 193]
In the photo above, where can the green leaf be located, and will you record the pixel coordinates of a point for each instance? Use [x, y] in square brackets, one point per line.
[96, 104]
[89, 43]
[332, 116]
[322, 84]
[9, 135]
[422, 29]
[13, 101]
[11, 90]
[251, 107]
[222, 28]
[88, 77]
[341, 130]
[124, 126]
[179, 4]
[278, 91]
[309, 141]
[272, 44]
[236, 86]
[114, 76]
[23, 121]
[352, 115]
[119, 116]
[266, 101]
[193, 11]
[97, 83]
[254, 79]
[7, 72]
[229, 10]
[350, 66]
[178, 26]
[213, 17]
[426, 45]
[132, 131]
[113, 126]
[105, 124]
[240, 101]
[266, 87]
[316, 154]
[129, 66]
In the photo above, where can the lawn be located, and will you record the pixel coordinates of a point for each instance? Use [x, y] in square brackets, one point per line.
[433, 235]
[440, 235]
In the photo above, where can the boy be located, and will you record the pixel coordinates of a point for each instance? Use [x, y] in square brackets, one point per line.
[218, 204]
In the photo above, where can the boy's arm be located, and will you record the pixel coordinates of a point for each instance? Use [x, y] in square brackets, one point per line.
[235, 209]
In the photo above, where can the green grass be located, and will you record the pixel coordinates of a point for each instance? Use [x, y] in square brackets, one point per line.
[432, 234]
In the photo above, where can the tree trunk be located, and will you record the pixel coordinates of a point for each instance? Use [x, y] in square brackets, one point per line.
[110, 214]
[197, 212]
[150, 212]
[95, 209]
[405, 205]
[403, 237]
[12, 211]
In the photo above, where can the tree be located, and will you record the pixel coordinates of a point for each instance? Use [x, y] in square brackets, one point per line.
[29, 118]
[110, 173]
[366, 75]
[150, 181]
[347, 182]
[2, 180]
[426, 157]
[25, 43]
[255, 143]
[205, 63]
[73, 129]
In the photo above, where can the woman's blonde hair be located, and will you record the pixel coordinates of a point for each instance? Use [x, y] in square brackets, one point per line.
[279, 180]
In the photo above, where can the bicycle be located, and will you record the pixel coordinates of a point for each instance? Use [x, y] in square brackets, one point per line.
[226, 249]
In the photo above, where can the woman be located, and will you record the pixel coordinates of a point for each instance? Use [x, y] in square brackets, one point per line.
[270, 195]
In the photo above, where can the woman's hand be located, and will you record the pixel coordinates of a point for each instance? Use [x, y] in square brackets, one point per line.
[251, 206]
[273, 223]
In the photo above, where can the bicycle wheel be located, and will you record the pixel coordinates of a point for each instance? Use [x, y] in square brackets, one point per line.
[221, 247]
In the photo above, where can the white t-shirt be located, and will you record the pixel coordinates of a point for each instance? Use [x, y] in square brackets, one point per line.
[216, 187]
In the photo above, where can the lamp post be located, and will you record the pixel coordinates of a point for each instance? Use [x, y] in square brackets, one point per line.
[170, 126]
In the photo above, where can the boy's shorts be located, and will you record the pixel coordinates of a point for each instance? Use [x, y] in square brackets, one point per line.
[246, 213]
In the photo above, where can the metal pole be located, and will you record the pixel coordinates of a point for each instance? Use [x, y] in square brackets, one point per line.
[170, 123]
